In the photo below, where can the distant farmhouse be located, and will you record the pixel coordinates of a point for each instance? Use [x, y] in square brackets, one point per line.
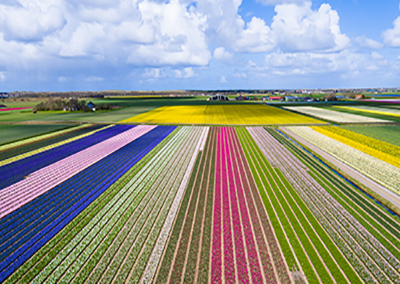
[218, 97]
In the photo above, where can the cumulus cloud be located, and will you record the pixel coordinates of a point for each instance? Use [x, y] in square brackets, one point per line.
[221, 54]
[31, 20]
[222, 79]
[299, 28]
[309, 62]
[391, 37]
[377, 56]
[365, 42]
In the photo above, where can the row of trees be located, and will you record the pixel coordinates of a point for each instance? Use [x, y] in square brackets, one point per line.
[71, 105]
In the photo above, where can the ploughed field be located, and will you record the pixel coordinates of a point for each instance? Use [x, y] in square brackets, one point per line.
[193, 204]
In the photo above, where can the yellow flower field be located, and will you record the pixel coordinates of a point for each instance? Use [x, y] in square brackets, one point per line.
[386, 152]
[221, 115]
[376, 110]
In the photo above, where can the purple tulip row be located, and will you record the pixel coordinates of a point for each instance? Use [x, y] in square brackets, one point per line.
[361, 248]
[41, 181]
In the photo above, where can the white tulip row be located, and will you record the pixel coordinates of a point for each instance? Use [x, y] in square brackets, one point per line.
[154, 260]
[360, 247]
[84, 242]
[335, 116]
[384, 173]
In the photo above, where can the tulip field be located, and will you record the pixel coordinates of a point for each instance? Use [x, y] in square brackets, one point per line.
[195, 204]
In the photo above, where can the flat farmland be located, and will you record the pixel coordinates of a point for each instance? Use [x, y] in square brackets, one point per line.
[237, 114]
[189, 204]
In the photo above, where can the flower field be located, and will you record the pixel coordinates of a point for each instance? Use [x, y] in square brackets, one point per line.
[335, 115]
[221, 115]
[189, 204]
[378, 110]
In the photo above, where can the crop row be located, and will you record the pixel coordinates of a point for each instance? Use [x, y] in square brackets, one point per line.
[381, 150]
[361, 205]
[299, 250]
[125, 226]
[376, 169]
[335, 116]
[28, 145]
[155, 258]
[49, 147]
[49, 215]
[335, 219]
[41, 181]
[18, 170]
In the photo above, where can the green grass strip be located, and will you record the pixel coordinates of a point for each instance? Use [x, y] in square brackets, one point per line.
[344, 193]
[249, 149]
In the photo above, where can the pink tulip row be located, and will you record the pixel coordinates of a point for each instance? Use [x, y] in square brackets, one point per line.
[41, 181]
[242, 185]
[216, 261]
[237, 238]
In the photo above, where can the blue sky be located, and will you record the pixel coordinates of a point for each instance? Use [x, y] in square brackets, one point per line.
[60, 45]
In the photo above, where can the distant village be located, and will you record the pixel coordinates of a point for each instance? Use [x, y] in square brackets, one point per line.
[298, 95]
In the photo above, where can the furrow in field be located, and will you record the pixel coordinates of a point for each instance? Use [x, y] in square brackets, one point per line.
[163, 272]
[276, 158]
[106, 174]
[27, 141]
[292, 243]
[266, 237]
[134, 264]
[155, 258]
[175, 273]
[345, 222]
[361, 204]
[81, 246]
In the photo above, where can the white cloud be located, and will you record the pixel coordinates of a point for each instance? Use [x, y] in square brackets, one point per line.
[221, 54]
[391, 37]
[2, 76]
[62, 79]
[154, 73]
[365, 42]
[189, 72]
[312, 63]
[223, 79]
[179, 36]
[94, 79]
[299, 28]
[31, 20]
[257, 37]
[377, 56]
[277, 2]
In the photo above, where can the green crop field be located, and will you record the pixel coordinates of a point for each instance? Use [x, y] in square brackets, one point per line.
[9, 133]
[389, 134]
